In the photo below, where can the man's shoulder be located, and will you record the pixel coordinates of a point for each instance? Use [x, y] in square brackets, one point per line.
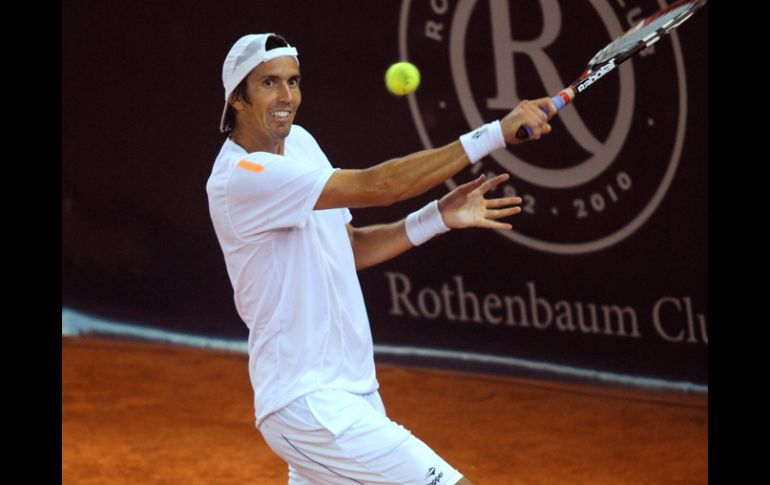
[228, 150]
[300, 138]
[298, 133]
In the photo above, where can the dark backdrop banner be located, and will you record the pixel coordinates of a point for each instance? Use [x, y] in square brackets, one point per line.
[606, 267]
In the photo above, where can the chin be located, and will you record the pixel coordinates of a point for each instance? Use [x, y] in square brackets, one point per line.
[283, 131]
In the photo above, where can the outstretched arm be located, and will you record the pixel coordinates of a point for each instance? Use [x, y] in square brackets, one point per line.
[378, 243]
[409, 176]
[465, 206]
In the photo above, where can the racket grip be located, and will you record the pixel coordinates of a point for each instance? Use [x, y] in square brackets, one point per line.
[525, 131]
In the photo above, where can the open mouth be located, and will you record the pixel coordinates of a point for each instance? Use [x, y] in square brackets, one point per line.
[281, 115]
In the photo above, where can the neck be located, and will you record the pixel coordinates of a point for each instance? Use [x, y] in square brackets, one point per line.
[251, 141]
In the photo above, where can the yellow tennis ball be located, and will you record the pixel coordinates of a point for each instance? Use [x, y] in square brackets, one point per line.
[402, 78]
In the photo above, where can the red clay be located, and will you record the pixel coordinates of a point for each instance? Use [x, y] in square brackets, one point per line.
[135, 412]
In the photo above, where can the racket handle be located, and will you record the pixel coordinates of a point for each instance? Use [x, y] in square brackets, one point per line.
[560, 100]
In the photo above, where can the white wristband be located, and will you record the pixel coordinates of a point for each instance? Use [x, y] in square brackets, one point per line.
[425, 223]
[483, 140]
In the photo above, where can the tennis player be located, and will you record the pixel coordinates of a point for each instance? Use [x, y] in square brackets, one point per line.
[280, 211]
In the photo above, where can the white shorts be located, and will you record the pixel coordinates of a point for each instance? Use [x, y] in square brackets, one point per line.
[336, 437]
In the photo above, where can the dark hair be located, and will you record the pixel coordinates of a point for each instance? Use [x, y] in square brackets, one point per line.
[240, 92]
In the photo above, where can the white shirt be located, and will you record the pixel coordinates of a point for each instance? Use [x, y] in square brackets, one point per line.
[293, 273]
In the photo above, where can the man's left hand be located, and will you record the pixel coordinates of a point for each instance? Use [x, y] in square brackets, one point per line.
[466, 206]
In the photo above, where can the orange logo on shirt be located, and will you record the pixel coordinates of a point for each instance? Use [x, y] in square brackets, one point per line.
[254, 167]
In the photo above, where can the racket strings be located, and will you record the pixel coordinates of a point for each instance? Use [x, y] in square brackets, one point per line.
[647, 31]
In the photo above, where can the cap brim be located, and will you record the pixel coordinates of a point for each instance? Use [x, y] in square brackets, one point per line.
[222, 121]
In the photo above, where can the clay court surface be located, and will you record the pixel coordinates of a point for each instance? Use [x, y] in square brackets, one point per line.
[146, 413]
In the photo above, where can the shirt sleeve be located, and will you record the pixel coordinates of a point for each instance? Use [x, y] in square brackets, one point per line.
[312, 145]
[267, 192]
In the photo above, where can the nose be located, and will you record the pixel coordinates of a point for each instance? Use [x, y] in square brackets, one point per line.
[285, 93]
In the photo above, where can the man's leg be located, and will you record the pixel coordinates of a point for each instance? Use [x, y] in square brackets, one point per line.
[333, 437]
[295, 478]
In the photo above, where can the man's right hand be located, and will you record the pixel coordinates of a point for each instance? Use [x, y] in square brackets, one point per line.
[531, 114]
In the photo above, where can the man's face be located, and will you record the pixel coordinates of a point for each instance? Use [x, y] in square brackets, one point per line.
[273, 89]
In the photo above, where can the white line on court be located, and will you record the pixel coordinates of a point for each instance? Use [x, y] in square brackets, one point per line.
[74, 323]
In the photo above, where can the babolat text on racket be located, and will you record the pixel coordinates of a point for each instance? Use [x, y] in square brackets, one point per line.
[642, 35]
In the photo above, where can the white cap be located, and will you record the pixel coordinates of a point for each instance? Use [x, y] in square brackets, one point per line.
[246, 54]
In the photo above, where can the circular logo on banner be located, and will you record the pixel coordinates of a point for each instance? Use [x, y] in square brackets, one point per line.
[613, 152]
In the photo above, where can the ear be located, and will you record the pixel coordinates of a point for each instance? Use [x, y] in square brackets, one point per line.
[236, 102]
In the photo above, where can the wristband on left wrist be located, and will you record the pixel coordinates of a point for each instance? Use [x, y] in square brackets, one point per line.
[424, 224]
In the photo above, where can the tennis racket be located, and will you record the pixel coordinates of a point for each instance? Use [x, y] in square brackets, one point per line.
[644, 34]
